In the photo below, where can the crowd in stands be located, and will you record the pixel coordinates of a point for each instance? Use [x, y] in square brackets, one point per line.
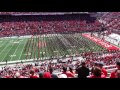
[5, 13]
[92, 67]
[112, 21]
[35, 27]
[89, 68]
[107, 57]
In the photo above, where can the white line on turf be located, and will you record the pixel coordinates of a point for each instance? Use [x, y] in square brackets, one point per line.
[21, 52]
[3, 43]
[15, 51]
[7, 52]
[5, 47]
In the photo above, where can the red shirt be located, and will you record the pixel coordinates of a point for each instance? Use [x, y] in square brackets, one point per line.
[34, 76]
[104, 71]
[47, 75]
[69, 74]
[113, 75]
[8, 77]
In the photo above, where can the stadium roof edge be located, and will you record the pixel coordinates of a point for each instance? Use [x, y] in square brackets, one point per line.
[46, 13]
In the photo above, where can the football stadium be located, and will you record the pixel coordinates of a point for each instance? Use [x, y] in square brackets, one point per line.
[59, 45]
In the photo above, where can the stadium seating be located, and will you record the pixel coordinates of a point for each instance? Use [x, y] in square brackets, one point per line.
[24, 27]
[8, 29]
[112, 21]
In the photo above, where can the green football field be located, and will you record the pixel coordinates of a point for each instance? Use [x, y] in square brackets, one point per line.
[45, 46]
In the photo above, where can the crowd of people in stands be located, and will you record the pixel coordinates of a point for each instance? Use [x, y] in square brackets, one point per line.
[89, 68]
[112, 20]
[33, 27]
[107, 57]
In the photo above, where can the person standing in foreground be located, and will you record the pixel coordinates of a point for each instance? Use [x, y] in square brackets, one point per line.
[67, 73]
[97, 73]
[51, 72]
[82, 71]
[104, 71]
[116, 73]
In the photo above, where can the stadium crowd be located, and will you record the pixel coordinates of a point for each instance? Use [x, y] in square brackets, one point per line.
[28, 28]
[92, 67]
[111, 21]
[87, 68]
[23, 27]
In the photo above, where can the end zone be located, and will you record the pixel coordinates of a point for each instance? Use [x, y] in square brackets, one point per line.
[100, 42]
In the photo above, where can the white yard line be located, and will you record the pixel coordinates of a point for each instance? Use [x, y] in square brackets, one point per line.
[15, 51]
[2, 44]
[21, 52]
[7, 52]
[4, 47]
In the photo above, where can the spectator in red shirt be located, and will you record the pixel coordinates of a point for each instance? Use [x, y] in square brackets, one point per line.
[68, 73]
[102, 69]
[47, 75]
[8, 76]
[115, 74]
[51, 72]
[97, 73]
[71, 70]
[94, 66]
[33, 75]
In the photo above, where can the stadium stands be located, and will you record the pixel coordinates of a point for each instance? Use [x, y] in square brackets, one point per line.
[15, 28]
[35, 25]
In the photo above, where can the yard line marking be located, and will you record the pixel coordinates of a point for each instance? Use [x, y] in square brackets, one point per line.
[15, 51]
[7, 52]
[22, 50]
[5, 47]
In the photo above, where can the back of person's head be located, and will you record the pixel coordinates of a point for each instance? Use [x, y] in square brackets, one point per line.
[83, 63]
[47, 75]
[51, 70]
[41, 75]
[118, 64]
[54, 76]
[32, 72]
[97, 72]
[70, 68]
[100, 64]
[64, 69]
[95, 63]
